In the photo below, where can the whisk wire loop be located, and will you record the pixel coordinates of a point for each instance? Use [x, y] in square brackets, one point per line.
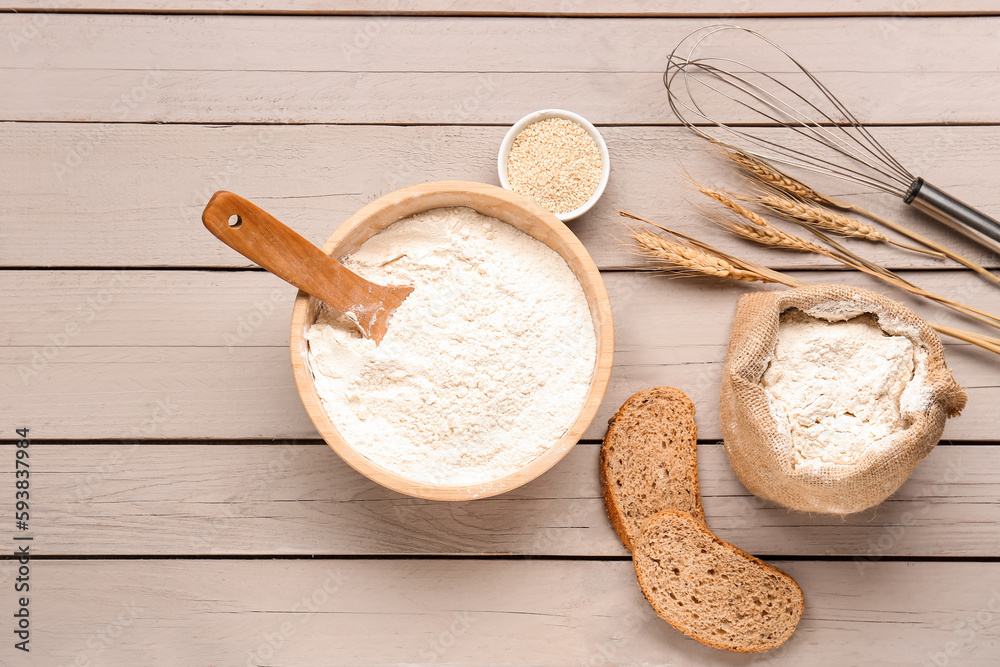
[778, 103]
[805, 126]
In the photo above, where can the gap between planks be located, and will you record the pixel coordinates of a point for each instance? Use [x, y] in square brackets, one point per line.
[555, 9]
[229, 377]
[302, 500]
[283, 70]
[290, 172]
[376, 612]
[472, 557]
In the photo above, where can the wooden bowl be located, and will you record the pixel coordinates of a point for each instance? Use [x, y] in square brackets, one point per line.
[504, 205]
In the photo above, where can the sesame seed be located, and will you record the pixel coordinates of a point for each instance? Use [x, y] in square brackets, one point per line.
[555, 162]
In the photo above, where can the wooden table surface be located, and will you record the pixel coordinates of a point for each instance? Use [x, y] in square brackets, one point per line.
[183, 510]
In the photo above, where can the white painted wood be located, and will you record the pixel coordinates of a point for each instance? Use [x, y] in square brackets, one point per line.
[201, 356]
[424, 44]
[459, 612]
[204, 355]
[69, 189]
[556, 8]
[299, 498]
[254, 69]
[175, 95]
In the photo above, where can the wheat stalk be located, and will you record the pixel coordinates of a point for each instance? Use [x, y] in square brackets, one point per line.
[704, 259]
[747, 267]
[732, 205]
[771, 176]
[884, 274]
[919, 238]
[828, 220]
[764, 233]
[797, 209]
[760, 230]
[771, 236]
[985, 342]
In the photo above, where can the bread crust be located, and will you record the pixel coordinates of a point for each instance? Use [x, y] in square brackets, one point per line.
[675, 405]
[647, 580]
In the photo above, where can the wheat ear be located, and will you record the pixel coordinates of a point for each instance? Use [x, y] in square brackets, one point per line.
[679, 257]
[764, 233]
[760, 230]
[665, 252]
[765, 274]
[768, 175]
[798, 209]
[774, 177]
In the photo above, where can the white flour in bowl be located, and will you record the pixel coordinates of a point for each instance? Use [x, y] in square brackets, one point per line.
[486, 364]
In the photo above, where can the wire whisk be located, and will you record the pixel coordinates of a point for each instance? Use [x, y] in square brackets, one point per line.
[753, 109]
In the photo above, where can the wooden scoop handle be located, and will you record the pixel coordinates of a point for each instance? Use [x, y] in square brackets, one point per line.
[262, 238]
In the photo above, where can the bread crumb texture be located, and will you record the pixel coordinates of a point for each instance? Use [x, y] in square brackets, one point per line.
[711, 590]
[649, 460]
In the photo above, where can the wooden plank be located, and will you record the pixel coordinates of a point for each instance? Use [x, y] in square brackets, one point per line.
[534, 45]
[666, 8]
[252, 69]
[181, 354]
[300, 498]
[634, 98]
[456, 612]
[68, 189]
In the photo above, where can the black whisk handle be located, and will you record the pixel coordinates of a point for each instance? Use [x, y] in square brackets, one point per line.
[956, 214]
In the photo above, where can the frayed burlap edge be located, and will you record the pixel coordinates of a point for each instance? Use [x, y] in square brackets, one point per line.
[759, 451]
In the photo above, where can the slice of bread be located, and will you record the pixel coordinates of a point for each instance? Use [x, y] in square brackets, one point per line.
[712, 591]
[649, 460]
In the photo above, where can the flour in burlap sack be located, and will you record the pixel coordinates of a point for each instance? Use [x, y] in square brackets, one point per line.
[758, 439]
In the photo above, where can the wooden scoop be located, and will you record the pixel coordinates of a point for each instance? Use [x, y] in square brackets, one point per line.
[262, 238]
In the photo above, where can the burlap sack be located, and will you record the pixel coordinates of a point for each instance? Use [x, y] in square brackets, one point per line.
[759, 448]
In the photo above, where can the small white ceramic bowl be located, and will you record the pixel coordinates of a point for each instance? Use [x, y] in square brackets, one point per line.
[515, 130]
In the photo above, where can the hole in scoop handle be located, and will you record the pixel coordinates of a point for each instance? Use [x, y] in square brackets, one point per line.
[262, 238]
